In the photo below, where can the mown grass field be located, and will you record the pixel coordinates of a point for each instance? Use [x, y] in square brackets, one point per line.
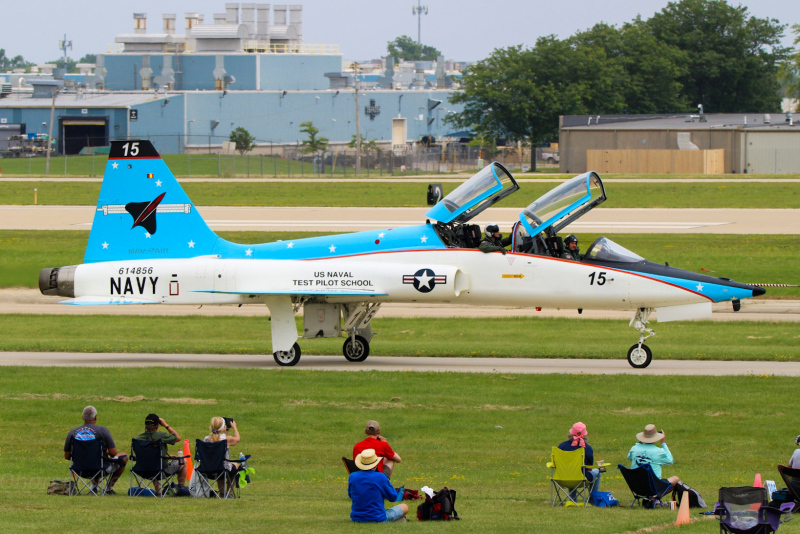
[520, 337]
[620, 195]
[487, 436]
[751, 258]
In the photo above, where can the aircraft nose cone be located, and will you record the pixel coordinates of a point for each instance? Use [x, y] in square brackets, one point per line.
[758, 291]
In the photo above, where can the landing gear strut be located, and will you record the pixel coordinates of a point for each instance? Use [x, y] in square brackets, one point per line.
[640, 355]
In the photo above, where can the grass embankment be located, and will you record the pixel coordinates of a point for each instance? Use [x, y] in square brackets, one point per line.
[487, 436]
[621, 195]
[530, 337]
[751, 258]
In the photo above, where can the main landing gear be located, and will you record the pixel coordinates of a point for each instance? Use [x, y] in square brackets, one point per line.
[355, 348]
[289, 357]
[640, 355]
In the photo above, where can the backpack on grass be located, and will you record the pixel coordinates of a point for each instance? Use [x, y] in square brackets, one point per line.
[440, 507]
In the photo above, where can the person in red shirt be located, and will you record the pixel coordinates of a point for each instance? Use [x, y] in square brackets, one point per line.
[382, 448]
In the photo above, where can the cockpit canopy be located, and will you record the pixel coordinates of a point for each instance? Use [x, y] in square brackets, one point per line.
[488, 186]
[560, 206]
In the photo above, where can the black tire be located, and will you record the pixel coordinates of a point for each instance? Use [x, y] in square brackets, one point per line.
[357, 352]
[288, 358]
[550, 161]
[639, 359]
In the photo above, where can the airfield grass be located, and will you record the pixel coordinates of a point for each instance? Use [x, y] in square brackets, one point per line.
[488, 436]
[621, 195]
[745, 258]
[520, 337]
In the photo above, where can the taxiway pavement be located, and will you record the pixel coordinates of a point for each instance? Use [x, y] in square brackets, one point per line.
[400, 363]
[343, 219]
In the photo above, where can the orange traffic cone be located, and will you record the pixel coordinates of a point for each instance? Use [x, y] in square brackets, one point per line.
[756, 484]
[683, 511]
[187, 452]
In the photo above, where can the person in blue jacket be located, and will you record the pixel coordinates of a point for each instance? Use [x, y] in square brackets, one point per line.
[368, 489]
[647, 452]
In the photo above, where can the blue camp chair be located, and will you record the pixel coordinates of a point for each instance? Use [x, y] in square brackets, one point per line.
[645, 485]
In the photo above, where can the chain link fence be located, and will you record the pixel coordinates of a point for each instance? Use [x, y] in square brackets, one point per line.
[204, 156]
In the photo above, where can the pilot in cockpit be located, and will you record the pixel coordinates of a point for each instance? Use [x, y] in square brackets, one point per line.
[571, 249]
[494, 241]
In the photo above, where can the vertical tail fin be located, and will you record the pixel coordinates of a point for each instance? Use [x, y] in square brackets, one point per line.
[143, 212]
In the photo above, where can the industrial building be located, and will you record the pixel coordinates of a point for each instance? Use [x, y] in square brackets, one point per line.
[680, 143]
[249, 67]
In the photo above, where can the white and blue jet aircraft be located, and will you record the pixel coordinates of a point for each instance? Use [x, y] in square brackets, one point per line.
[149, 245]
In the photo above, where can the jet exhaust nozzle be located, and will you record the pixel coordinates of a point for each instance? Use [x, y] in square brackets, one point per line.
[58, 281]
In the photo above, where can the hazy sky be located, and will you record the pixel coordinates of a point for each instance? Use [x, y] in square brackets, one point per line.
[462, 29]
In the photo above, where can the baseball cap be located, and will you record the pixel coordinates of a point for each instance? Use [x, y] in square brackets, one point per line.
[152, 420]
[373, 427]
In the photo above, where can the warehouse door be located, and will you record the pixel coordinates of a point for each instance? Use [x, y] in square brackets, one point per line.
[78, 133]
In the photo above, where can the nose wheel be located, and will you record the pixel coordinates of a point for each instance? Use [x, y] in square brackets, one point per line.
[355, 349]
[640, 355]
[288, 358]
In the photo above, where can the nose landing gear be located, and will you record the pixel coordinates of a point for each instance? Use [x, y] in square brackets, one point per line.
[640, 355]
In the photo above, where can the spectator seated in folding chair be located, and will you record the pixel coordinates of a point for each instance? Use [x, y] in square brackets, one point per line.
[213, 469]
[569, 484]
[153, 473]
[744, 510]
[577, 439]
[791, 477]
[96, 464]
[156, 469]
[647, 488]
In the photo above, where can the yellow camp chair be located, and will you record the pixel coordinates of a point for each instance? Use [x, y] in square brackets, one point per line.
[569, 484]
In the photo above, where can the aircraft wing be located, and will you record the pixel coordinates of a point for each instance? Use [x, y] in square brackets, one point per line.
[309, 292]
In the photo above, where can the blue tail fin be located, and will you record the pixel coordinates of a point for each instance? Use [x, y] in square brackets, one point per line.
[143, 212]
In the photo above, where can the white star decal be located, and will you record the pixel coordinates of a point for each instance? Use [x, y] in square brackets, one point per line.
[147, 235]
[191, 244]
[248, 252]
[699, 287]
[105, 245]
[428, 280]
[158, 183]
[290, 245]
[380, 235]
[332, 248]
[114, 165]
[424, 239]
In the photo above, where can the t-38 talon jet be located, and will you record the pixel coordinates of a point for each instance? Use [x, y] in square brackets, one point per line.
[341, 281]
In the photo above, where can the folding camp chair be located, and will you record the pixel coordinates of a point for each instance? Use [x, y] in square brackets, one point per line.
[568, 483]
[349, 464]
[744, 510]
[791, 477]
[644, 485]
[209, 465]
[148, 473]
[89, 467]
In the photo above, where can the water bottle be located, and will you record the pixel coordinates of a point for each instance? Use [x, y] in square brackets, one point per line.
[243, 465]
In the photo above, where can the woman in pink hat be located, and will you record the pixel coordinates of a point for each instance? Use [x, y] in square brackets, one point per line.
[577, 440]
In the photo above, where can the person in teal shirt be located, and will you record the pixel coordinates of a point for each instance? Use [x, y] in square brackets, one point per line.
[646, 452]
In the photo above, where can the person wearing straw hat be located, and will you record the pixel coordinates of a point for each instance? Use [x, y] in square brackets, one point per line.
[576, 440]
[647, 452]
[367, 490]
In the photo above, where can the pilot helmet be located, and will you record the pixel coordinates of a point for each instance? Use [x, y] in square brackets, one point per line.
[570, 239]
[490, 229]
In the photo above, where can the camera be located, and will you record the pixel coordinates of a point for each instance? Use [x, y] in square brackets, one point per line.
[228, 421]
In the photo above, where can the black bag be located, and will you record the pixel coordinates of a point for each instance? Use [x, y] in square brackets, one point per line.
[695, 500]
[440, 507]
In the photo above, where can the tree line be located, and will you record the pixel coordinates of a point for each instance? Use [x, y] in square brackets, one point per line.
[693, 52]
